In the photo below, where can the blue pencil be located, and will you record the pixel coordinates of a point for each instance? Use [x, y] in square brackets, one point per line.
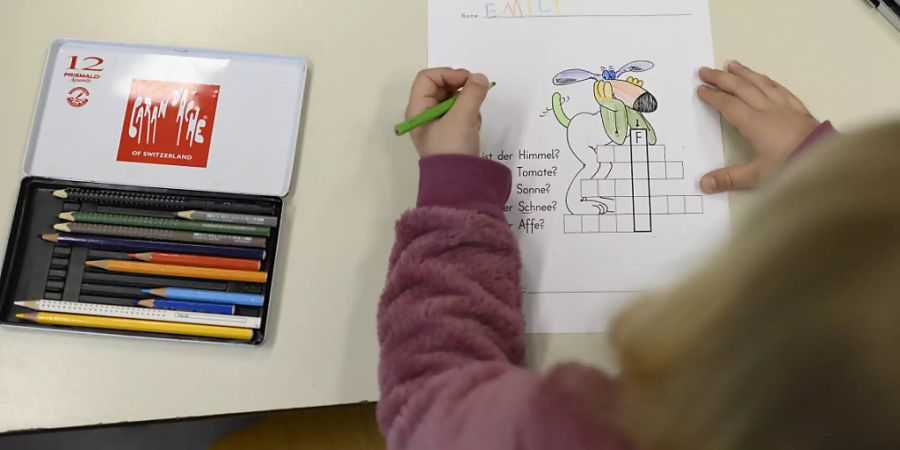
[196, 295]
[176, 305]
[141, 245]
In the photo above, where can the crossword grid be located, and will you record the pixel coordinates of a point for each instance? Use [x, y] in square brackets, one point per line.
[627, 189]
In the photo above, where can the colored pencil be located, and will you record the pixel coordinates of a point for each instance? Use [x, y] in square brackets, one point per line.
[224, 217]
[178, 305]
[148, 326]
[190, 237]
[132, 312]
[167, 224]
[138, 245]
[198, 261]
[179, 271]
[208, 296]
[106, 209]
[157, 201]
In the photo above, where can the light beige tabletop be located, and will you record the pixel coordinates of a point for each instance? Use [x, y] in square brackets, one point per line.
[353, 179]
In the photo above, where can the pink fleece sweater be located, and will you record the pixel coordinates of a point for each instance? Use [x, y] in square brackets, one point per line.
[452, 331]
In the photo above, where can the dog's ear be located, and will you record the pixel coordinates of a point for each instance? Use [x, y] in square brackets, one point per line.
[572, 76]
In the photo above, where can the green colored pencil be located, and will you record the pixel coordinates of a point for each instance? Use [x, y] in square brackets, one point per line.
[430, 115]
[168, 224]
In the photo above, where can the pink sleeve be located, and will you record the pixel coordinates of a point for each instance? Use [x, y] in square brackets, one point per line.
[824, 131]
[451, 331]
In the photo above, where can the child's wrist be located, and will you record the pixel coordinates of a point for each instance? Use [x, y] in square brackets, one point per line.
[824, 131]
[464, 182]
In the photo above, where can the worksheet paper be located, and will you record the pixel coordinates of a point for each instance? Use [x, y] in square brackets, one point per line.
[595, 113]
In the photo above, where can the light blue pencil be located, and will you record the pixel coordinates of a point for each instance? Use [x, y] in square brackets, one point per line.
[196, 295]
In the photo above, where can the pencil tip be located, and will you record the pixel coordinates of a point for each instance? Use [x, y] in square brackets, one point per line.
[141, 256]
[99, 264]
[159, 292]
[61, 193]
[67, 216]
[185, 214]
[20, 316]
[62, 227]
[50, 237]
[148, 303]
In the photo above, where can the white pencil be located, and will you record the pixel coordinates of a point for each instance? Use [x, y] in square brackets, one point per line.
[131, 312]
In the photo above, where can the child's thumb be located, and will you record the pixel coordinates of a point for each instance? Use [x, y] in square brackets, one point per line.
[468, 104]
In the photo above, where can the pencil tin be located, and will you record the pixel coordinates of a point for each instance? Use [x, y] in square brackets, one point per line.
[139, 131]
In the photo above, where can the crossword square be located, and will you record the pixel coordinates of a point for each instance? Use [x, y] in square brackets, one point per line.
[607, 188]
[572, 224]
[620, 171]
[676, 204]
[659, 205]
[623, 154]
[642, 205]
[625, 224]
[675, 171]
[657, 153]
[606, 154]
[608, 224]
[641, 188]
[642, 223]
[639, 153]
[657, 171]
[640, 171]
[589, 188]
[624, 205]
[693, 204]
[623, 188]
[590, 224]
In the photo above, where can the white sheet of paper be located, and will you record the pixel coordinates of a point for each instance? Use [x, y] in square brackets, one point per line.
[605, 207]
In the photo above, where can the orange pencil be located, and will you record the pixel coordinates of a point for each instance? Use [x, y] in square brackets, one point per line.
[179, 271]
[198, 261]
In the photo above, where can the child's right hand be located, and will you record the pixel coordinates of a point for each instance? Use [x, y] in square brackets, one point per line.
[458, 132]
[766, 114]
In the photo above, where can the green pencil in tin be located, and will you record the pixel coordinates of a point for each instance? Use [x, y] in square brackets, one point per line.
[169, 224]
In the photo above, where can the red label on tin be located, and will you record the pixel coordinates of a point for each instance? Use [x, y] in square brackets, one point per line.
[168, 123]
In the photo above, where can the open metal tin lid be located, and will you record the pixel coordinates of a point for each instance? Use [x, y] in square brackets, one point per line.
[168, 117]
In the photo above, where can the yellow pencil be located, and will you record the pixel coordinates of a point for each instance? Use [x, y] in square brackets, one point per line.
[148, 326]
[180, 271]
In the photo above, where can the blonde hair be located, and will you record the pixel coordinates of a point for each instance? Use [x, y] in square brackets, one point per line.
[790, 337]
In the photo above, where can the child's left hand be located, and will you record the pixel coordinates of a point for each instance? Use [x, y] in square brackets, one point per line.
[766, 114]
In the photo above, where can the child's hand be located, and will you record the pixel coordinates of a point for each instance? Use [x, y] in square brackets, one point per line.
[769, 117]
[459, 132]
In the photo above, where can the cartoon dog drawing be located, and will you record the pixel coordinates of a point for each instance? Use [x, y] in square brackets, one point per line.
[622, 107]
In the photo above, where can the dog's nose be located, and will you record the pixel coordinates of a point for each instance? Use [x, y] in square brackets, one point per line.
[646, 103]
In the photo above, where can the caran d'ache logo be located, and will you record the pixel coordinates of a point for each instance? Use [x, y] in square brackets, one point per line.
[168, 123]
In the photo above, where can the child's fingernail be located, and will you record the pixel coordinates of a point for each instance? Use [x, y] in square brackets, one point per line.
[708, 184]
[480, 78]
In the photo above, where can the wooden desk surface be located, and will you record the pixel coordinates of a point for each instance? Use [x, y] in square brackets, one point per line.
[353, 179]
